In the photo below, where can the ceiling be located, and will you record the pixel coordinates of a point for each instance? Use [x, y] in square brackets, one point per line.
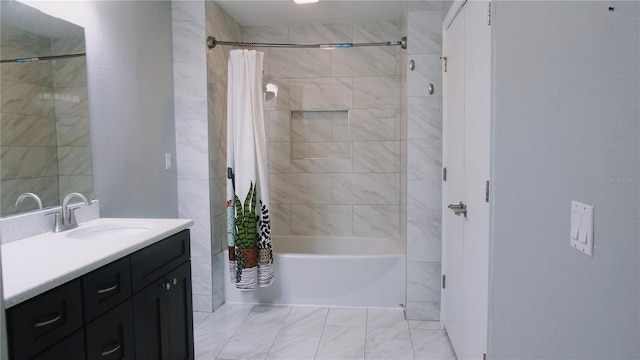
[285, 12]
[25, 17]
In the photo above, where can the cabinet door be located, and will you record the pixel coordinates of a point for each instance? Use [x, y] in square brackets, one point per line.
[180, 313]
[151, 323]
[71, 348]
[110, 337]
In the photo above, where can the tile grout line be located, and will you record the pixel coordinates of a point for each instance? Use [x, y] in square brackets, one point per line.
[322, 333]
[366, 325]
[235, 332]
[278, 333]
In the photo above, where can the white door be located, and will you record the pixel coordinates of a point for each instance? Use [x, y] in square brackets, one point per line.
[467, 46]
[453, 111]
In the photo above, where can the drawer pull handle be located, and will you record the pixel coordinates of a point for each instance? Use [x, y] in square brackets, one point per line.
[111, 351]
[106, 290]
[48, 322]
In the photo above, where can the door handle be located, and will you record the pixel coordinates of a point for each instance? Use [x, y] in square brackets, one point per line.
[459, 209]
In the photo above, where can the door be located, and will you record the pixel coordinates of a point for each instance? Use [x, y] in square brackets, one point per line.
[466, 155]
[163, 321]
[453, 111]
[180, 314]
[151, 324]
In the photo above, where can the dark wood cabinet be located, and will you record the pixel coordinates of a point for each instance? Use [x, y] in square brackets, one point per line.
[137, 307]
[43, 321]
[71, 348]
[110, 337]
[163, 309]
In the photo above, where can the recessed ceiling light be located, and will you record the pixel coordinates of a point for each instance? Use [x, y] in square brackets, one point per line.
[301, 2]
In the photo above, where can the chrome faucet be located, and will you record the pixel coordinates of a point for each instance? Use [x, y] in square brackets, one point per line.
[65, 219]
[31, 195]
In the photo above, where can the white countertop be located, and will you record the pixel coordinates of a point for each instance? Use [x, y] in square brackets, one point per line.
[36, 264]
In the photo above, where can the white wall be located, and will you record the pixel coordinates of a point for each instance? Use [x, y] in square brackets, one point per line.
[566, 126]
[130, 77]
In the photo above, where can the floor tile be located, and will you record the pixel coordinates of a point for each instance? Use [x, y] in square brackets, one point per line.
[389, 349]
[387, 324]
[431, 345]
[341, 342]
[347, 317]
[252, 341]
[289, 347]
[425, 325]
[212, 335]
[245, 332]
[198, 318]
[268, 314]
[304, 320]
[232, 312]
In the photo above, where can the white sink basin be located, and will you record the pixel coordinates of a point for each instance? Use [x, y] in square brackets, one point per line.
[104, 231]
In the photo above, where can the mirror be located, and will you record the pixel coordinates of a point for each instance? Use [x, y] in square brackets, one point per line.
[44, 113]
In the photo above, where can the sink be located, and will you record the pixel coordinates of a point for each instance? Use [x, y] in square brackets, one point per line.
[104, 231]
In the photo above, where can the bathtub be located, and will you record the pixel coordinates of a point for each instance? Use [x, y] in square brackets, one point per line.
[330, 271]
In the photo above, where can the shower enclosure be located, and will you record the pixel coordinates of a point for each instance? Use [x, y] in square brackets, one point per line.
[339, 152]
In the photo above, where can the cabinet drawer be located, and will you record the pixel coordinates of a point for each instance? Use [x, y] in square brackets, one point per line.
[106, 287]
[44, 320]
[71, 348]
[154, 261]
[110, 337]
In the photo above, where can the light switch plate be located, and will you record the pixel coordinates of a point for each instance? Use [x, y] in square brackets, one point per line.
[581, 234]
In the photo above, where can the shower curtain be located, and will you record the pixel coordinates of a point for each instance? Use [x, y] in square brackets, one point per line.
[248, 225]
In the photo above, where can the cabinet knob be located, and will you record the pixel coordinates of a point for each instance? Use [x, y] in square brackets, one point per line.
[175, 281]
[167, 285]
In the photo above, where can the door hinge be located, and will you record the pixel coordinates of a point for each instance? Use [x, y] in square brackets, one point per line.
[444, 281]
[486, 192]
[444, 174]
[489, 13]
[444, 63]
[484, 356]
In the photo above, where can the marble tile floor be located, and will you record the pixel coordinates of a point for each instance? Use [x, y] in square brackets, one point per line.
[246, 332]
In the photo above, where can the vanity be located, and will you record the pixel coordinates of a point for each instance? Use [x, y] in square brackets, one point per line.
[109, 289]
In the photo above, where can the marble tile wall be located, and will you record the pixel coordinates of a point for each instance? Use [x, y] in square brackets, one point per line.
[192, 145]
[27, 123]
[44, 127]
[71, 103]
[222, 26]
[424, 160]
[334, 134]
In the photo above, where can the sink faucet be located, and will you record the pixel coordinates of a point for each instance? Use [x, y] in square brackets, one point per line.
[31, 195]
[66, 218]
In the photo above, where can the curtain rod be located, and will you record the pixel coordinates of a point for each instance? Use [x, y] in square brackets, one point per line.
[212, 42]
[42, 58]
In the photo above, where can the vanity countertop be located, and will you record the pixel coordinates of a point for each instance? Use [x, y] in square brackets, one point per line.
[36, 264]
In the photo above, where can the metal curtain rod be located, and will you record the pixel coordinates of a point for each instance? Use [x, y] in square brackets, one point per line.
[212, 42]
[42, 58]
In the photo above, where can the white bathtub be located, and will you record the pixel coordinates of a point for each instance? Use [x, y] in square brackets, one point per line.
[331, 272]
